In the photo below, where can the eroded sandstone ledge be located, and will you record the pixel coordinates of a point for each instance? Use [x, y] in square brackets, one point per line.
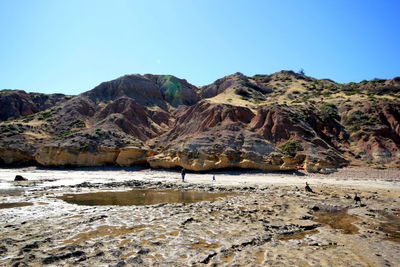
[131, 156]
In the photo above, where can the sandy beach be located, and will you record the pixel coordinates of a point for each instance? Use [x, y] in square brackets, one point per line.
[264, 219]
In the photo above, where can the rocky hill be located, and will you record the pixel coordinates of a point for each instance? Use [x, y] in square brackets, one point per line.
[15, 104]
[282, 121]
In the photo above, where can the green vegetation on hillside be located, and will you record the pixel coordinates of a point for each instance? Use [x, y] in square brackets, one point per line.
[290, 147]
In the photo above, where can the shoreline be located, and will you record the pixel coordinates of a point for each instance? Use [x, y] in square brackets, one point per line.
[350, 177]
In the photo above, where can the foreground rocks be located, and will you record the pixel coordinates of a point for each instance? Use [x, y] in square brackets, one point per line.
[258, 226]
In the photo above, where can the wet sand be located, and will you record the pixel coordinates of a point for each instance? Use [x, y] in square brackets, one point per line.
[267, 220]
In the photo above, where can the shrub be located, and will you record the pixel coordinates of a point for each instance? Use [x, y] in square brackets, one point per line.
[328, 111]
[79, 123]
[377, 80]
[290, 147]
[242, 92]
[358, 120]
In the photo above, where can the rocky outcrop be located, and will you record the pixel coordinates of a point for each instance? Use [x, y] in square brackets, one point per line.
[15, 157]
[207, 161]
[237, 82]
[133, 118]
[374, 131]
[147, 90]
[72, 156]
[214, 136]
[281, 123]
[174, 90]
[17, 103]
[130, 156]
[101, 156]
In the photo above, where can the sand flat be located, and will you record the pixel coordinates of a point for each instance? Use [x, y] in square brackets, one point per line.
[271, 221]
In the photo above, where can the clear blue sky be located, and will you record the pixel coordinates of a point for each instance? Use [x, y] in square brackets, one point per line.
[71, 46]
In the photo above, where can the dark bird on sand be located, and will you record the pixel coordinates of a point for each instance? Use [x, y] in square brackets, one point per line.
[308, 188]
[357, 199]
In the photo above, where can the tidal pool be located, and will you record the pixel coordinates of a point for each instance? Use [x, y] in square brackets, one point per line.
[14, 205]
[141, 197]
[338, 219]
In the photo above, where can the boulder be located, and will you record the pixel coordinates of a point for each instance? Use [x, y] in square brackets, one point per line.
[20, 178]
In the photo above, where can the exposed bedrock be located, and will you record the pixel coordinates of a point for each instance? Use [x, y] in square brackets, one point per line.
[15, 157]
[72, 156]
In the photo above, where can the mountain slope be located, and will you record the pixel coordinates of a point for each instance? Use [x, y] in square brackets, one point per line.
[15, 104]
[282, 121]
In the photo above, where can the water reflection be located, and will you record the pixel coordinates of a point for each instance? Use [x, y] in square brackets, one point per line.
[338, 219]
[14, 205]
[141, 197]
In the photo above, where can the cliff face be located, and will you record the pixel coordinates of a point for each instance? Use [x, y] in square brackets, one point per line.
[214, 136]
[15, 104]
[282, 121]
[374, 131]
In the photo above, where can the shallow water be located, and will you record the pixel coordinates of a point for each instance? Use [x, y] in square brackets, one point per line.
[140, 197]
[338, 219]
[14, 205]
[390, 226]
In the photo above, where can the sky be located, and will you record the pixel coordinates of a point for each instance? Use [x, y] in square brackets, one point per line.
[70, 46]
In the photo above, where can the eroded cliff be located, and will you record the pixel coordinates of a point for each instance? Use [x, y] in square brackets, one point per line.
[282, 121]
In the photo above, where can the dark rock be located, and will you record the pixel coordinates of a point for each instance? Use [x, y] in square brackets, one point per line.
[81, 259]
[97, 218]
[20, 264]
[207, 259]
[120, 264]
[189, 220]
[310, 227]
[20, 178]
[30, 247]
[99, 254]
[52, 259]
[3, 250]
[315, 208]
[143, 251]
[135, 260]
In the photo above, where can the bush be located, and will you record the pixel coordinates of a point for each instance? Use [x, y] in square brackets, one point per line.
[290, 147]
[377, 80]
[358, 120]
[79, 123]
[328, 111]
[242, 92]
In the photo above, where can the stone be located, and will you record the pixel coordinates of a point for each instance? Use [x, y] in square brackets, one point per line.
[20, 178]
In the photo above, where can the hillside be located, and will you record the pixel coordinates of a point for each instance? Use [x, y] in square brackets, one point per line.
[282, 121]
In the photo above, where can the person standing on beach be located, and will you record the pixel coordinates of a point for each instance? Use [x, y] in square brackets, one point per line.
[213, 178]
[183, 173]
